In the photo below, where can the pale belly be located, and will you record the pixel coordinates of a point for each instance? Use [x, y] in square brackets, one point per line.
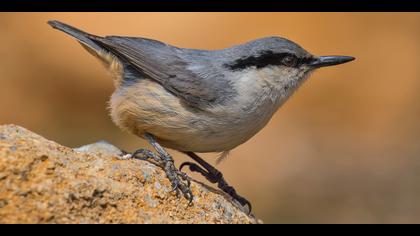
[148, 107]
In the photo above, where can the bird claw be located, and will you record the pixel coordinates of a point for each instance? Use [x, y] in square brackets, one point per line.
[214, 176]
[174, 186]
[180, 181]
[182, 184]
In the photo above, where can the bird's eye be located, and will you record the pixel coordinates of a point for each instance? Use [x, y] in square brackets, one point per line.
[289, 61]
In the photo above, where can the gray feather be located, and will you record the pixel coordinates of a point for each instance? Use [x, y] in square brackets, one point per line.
[83, 37]
[186, 73]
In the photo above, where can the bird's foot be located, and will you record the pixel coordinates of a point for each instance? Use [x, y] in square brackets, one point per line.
[215, 176]
[180, 181]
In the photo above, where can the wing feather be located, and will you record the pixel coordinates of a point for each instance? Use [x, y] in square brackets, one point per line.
[169, 66]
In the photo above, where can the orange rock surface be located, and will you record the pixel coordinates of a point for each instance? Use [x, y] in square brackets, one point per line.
[44, 182]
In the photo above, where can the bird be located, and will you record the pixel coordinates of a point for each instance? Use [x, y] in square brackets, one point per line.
[198, 101]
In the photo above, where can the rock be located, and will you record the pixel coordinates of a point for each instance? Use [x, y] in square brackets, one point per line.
[44, 182]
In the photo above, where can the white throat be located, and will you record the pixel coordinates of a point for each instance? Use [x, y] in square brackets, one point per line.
[268, 88]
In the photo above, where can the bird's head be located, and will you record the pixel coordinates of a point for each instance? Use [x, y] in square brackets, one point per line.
[280, 61]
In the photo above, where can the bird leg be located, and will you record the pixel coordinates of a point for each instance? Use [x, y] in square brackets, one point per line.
[214, 176]
[180, 181]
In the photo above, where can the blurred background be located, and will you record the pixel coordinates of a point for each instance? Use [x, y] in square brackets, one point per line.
[344, 149]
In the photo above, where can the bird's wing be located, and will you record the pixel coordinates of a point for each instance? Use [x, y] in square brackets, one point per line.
[187, 75]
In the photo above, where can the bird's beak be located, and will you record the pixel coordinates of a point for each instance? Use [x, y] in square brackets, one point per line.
[329, 61]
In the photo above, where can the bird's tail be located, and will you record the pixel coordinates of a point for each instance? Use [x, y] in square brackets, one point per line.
[87, 40]
[92, 44]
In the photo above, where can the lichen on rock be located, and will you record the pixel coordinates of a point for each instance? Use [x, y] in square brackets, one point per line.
[44, 182]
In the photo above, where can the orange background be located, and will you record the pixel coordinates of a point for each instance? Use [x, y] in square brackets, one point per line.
[344, 148]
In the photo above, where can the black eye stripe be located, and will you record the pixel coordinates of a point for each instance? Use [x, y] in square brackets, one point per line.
[265, 59]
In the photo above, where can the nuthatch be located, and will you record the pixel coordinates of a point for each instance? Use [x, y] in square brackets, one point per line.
[198, 100]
